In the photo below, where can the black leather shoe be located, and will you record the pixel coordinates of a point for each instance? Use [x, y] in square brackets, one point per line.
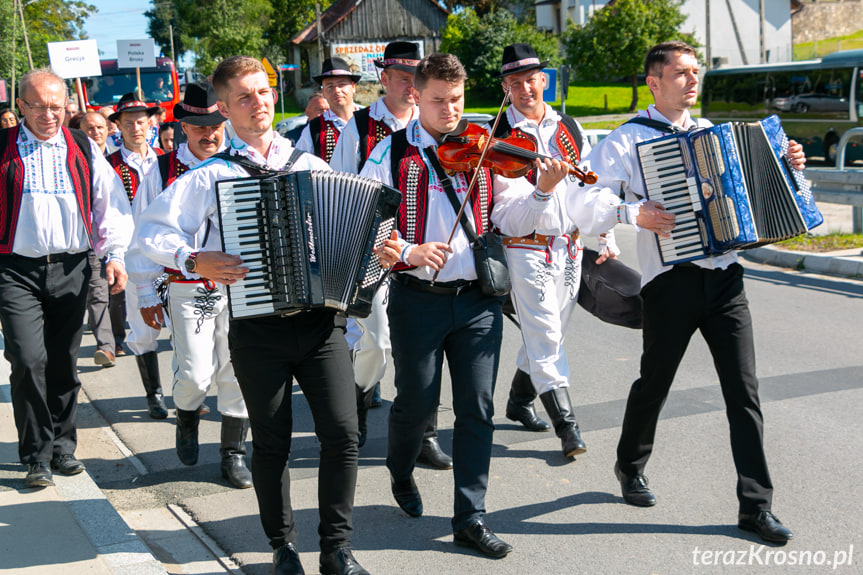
[766, 525]
[526, 415]
[479, 536]
[407, 496]
[433, 456]
[156, 407]
[39, 475]
[67, 464]
[286, 561]
[341, 562]
[635, 490]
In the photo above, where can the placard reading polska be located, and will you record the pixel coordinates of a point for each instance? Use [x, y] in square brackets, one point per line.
[136, 53]
[75, 59]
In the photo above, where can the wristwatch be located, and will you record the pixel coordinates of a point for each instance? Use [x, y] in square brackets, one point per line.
[191, 263]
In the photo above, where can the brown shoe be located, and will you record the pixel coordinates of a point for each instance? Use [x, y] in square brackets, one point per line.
[120, 351]
[104, 358]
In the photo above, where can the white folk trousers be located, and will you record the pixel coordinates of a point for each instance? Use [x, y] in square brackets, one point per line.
[369, 339]
[199, 328]
[141, 338]
[545, 281]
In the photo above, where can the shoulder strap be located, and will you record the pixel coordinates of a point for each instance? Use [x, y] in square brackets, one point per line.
[503, 127]
[315, 127]
[361, 118]
[254, 168]
[450, 193]
[655, 124]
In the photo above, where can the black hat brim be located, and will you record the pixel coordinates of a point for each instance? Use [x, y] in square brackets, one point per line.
[539, 66]
[211, 119]
[320, 79]
[150, 110]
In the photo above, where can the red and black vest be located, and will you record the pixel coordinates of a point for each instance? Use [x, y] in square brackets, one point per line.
[410, 176]
[129, 175]
[325, 136]
[371, 133]
[80, 165]
[171, 168]
[567, 138]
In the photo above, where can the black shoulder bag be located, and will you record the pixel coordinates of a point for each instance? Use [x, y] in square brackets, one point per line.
[488, 251]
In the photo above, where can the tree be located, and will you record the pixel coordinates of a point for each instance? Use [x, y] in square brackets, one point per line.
[47, 21]
[478, 41]
[615, 41]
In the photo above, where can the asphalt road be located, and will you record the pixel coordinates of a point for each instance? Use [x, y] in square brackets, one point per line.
[562, 516]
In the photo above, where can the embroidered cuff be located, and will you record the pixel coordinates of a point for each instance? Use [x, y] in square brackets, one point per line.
[148, 301]
[541, 196]
[115, 257]
[627, 213]
[406, 252]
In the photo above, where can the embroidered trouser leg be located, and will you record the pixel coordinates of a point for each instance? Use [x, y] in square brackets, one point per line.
[545, 281]
[199, 329]
[42, 314]
[370, 340]
[142, 338]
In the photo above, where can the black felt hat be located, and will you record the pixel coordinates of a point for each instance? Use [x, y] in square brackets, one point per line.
[130, 103]
[334, 68]
[400, 56]
[199, 106]
[518, 58]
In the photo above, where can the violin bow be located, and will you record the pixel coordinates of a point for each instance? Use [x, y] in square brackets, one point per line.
[473, 179]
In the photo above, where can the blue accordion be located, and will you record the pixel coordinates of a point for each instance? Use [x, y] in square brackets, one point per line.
[730, 187]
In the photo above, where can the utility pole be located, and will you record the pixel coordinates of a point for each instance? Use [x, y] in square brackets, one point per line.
[24, 29]
[12, 99]
[171, 34]
[319, 29]
[761, 31]
[707, 34]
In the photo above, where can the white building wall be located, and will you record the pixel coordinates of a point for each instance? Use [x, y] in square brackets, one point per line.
[723, 43]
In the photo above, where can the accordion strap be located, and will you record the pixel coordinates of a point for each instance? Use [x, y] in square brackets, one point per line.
[655, 124]
[258, 170]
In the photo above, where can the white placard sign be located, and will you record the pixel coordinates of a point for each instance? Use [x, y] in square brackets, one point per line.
[136, 53]
[76, 59]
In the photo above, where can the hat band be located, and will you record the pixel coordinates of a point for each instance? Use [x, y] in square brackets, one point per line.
[519, 64]
[338, 73]
[132, 104]
[403, 61]
[196, 110]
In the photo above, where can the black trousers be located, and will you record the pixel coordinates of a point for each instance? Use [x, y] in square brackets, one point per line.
[466, 329]
[42, 315]
[676, 304]
[268, 354]
[117, 313]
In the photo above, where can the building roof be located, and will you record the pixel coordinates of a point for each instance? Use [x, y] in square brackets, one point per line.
[334, 15]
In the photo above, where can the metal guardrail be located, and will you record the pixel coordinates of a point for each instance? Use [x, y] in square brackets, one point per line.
[840, 185]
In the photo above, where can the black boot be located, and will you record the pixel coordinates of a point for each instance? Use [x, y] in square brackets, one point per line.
[431, 453]
[233, 450]
[187, 436]
[364, 399]
[559, 409]
[148, 365]
[520, 405]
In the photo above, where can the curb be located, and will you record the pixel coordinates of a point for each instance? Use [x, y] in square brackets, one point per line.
[120, 548]
[847, 263]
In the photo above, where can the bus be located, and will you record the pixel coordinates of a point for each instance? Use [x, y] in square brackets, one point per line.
[818, 100]
[160, 85]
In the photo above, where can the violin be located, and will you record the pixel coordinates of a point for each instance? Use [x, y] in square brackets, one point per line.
[511, 157]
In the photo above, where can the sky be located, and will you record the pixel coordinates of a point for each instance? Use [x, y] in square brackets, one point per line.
[117, 21]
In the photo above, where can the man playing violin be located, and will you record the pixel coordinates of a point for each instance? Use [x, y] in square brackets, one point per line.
[448, 317]
[544, 250]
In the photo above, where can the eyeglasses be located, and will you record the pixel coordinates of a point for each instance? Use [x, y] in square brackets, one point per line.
[43, 109]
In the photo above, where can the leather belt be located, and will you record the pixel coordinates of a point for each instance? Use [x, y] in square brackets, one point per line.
[537, 239]
[50, 258]
[176, 276]
[440, 288]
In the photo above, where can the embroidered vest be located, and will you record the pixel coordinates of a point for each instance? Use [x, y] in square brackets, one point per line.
[171, 168]
[79, 163]
[567, 138]
[325, 136]
[129, 175]
[410, 176]
[371, 133]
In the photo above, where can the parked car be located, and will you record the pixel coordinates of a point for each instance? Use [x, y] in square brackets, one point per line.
[286, 125]
[812, 102]
[595, 135]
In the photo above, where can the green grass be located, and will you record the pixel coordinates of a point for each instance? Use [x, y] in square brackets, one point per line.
[827, 243]
[811, 50]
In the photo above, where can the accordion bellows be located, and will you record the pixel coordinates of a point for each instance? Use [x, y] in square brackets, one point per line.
[308, 239]
[730, 187]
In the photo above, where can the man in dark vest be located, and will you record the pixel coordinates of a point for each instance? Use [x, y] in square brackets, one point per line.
[450, 317]
[60, 198]
[135, 163]
[198, 308]
[338, 83]
[544, 252]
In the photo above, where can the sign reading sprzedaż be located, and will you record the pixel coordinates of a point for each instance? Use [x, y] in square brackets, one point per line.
[361, 57]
